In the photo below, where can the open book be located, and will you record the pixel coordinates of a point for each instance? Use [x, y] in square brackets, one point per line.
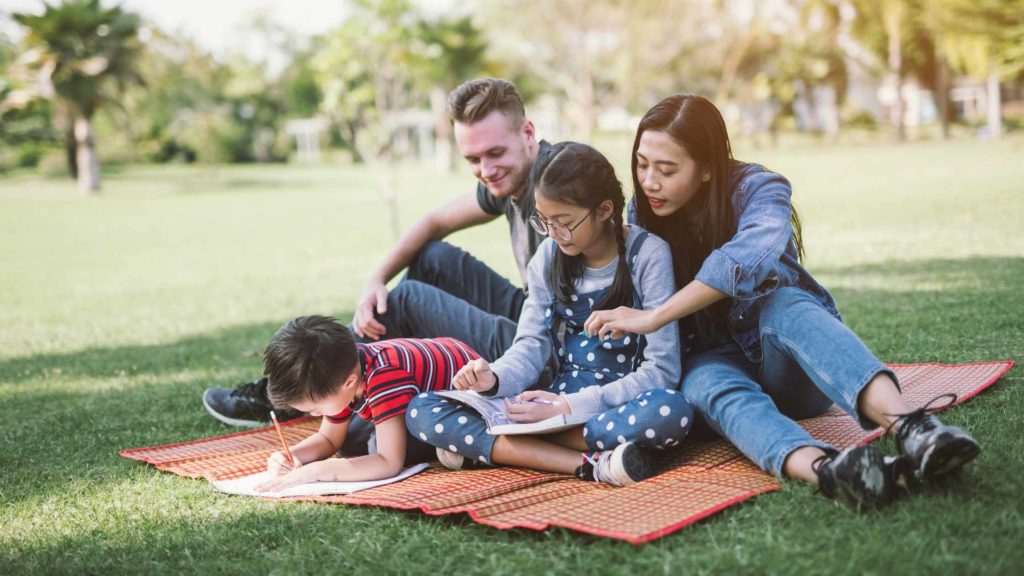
[493, 411]
[246, 485]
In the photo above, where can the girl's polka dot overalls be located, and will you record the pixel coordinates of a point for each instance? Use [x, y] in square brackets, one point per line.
[655, 419]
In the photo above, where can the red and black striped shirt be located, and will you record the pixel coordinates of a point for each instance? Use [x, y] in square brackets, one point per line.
[395, 371]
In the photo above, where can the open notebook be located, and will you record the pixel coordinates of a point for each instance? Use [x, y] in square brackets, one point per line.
[494, 413]
[245, 486]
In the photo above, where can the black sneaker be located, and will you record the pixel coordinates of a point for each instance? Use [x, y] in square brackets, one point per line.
[624, 465]
[936, 449]
[245, 405]
[860, 477]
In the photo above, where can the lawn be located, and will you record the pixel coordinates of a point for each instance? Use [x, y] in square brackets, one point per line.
[117, 311]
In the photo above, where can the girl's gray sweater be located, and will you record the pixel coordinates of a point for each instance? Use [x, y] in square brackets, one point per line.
[519, 368]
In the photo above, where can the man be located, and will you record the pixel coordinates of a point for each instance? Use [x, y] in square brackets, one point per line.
[446, 291]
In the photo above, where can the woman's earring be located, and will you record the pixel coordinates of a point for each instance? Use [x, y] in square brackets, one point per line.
[706, 177]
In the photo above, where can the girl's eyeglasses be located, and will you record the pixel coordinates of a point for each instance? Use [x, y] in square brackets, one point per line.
[556, 229]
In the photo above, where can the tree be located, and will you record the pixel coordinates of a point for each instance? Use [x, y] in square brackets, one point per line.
[179, 82]
[452, 50]
[80, 51]
[26, 126]
[592, 54]
[897, 31]
[369, 68]
[983, 39]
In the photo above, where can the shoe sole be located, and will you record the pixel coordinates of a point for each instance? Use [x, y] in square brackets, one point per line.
[633, 459]
[231, 421]
[450, 460]
[851, 492]
[953, 456]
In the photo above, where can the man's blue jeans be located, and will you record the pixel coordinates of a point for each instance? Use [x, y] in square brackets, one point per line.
[448, 292]
[811, 360]
[445, 292]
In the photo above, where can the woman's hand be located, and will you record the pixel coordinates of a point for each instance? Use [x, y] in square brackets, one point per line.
[475, 375]
[619, 322]
[536, 405]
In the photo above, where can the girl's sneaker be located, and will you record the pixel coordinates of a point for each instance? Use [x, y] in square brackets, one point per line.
[861, 477]
[624, 465]
[935, 448]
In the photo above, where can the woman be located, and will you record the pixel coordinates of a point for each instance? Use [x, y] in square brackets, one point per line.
[763, 342]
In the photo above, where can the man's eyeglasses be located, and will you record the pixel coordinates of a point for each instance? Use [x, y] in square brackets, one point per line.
[556, 229]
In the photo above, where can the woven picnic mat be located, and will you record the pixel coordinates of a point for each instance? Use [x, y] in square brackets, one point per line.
[701, 478]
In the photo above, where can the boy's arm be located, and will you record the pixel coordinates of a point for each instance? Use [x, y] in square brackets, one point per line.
[386, 463]
[325, 442]
[322, 444]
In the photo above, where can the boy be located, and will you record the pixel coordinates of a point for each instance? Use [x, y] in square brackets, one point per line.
[314, 365]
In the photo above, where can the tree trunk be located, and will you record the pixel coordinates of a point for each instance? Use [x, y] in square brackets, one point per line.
[443, 156]
[87, 160]
[732, 63]
[896, 71]
[70, 151]
[581, 106]
[995, 105]
[351, 129]
[892, 19]
[942, 89]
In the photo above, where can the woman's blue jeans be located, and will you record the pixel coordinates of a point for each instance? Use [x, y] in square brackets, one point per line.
[811, 360]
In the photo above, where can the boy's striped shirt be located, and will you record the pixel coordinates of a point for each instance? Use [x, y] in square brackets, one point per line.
[397, 370]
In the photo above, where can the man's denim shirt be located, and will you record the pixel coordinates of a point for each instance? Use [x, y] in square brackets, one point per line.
[759, 258]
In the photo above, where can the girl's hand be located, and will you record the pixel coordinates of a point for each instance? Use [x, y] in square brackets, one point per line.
[535, 405]
[277, 464]
[619, 322]
[476, 376]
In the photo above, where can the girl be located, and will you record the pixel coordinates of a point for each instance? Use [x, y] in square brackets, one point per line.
[764, 342]
[590, 261]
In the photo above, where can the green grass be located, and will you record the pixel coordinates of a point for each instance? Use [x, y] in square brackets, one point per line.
[117, 311]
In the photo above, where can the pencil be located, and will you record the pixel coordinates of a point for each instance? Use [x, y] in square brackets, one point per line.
[287, 450]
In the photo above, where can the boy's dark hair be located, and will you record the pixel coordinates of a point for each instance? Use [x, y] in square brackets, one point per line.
[472, 101]
[308, 359]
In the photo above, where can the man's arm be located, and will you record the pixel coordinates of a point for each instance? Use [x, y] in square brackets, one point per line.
[459, 214]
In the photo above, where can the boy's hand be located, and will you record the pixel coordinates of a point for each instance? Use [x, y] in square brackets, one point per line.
[292, 478]
[535, 405]
[476, 376]
[277, 464]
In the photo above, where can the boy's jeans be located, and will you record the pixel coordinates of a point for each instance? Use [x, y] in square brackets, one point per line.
[811, 360]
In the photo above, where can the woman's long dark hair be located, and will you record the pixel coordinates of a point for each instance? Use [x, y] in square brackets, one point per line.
[578, 175]
[696, 125]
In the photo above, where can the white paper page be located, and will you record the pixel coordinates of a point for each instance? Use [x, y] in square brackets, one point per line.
[492, 410]
[245, 486]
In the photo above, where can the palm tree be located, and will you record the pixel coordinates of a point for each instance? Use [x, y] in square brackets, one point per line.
[79, 51]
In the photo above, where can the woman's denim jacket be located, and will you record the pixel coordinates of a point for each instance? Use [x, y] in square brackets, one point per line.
[759, 258]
